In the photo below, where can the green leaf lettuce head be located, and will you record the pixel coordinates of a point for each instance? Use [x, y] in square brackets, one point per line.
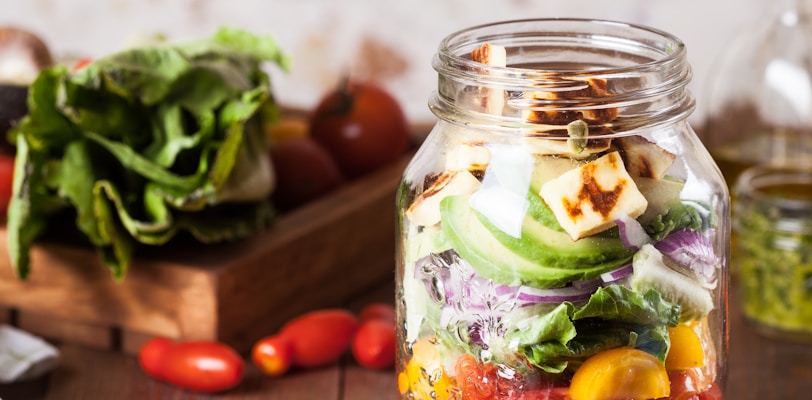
[143, 144]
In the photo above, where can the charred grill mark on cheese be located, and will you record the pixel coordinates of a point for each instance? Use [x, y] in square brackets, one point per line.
[593, 195]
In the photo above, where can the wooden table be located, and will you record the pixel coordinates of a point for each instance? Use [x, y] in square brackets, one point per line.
[759, 369]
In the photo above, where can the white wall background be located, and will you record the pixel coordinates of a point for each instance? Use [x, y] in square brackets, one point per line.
[325, 37]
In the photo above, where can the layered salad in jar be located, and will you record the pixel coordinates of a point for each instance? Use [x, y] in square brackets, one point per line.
[571, 268]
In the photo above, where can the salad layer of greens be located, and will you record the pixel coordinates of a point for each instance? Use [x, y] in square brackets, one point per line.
[143, 144]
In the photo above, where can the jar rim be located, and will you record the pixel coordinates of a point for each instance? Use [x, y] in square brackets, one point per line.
[753, 180]
[553, 65]
[674, 50]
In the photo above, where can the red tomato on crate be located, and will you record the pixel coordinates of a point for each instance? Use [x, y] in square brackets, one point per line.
[304, 171]
[200, 366]
[362, 126]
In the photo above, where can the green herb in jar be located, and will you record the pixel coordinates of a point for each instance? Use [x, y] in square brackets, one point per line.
[774, 250]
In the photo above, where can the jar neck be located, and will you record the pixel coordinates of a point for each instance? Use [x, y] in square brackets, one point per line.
[615, 77]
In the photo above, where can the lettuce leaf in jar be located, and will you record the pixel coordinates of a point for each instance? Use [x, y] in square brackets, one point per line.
[146, 143]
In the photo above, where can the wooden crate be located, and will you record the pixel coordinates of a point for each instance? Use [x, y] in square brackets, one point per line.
[319, 255]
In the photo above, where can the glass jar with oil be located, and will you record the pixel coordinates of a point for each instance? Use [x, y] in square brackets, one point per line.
[760, 94]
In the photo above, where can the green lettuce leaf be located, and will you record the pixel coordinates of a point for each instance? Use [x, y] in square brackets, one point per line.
[143, 144]
[614, 316]
[681, 216]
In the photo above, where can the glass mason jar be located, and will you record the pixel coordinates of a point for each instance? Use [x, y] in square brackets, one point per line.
[773, 224]
[563, 233]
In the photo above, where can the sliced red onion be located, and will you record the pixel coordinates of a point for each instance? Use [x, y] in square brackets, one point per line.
[587, 283]
[693, 251]
[618, 273]
[632, 234]
[558, 295]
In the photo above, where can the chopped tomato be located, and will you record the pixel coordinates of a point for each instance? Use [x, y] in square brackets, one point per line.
[714, 393]
[483, 381]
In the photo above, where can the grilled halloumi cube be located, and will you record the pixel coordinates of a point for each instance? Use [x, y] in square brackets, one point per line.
[590, 89]
[560, 147]
[467, 156]
[642, 157]
[588, 199]
[425, 210]
[493, 55]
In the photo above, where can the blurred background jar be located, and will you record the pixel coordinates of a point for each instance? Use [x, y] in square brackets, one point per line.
[759, 94]
[773, 220]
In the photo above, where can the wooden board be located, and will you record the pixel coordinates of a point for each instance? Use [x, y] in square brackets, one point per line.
[318, 255]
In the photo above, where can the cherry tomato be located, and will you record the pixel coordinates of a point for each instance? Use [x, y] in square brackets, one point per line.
[606, 375]
[693, 384]
[304, 171]
[362, 126]
[151, 355]
[686, 349]
[320, 337]
[713, 393]
[6, 181]
[201, 366]
[273, 355]
[383, 311]
[374, 345]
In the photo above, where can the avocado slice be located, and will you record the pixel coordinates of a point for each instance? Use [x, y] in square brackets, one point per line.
[662, 195]
[542, 257]
[555, 248]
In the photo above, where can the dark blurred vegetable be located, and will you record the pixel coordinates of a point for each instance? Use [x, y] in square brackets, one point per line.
[145, 143]
[304, 172]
